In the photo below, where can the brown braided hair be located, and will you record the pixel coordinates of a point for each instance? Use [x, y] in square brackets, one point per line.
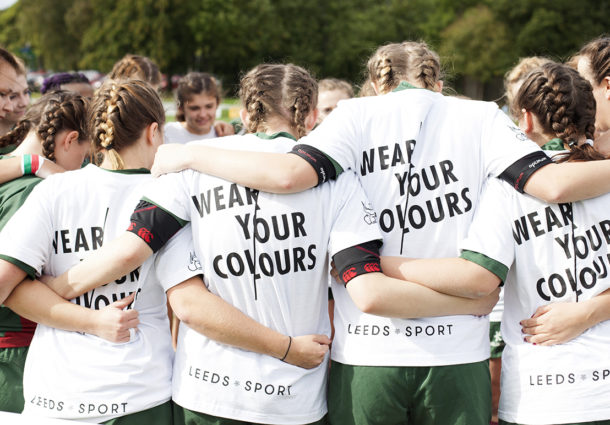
[515, 76]
[195, 83]
[136, 67]
[119, 113]
[409, 61]
[598, 53]
[286, 91]
[563, 102]
[53, 112]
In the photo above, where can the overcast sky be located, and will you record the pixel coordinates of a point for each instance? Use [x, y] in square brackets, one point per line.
[6, 3]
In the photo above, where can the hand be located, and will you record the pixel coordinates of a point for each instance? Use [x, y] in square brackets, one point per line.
[223, 129]
[308, 351]
[170, 159]
[556, 323]
[48, 168]
[334, 273]
[113, 323]
[484, 305]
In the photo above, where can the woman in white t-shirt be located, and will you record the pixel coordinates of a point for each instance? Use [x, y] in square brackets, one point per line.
[422, 159]
[553, 259]
[197, 100]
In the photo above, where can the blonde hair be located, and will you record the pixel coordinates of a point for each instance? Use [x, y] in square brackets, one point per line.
[286, 91]
[136, 67]
[409, 61]
[331, 84]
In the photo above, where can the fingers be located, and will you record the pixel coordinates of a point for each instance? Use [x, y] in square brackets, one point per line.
[322, 339]
[123, 302]
[541, 310]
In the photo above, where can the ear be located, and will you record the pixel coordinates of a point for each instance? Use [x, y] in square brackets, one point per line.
[151, 132]
[65, 141]
[311, 119]
[438, 87]
[606, 85]
[526, 121]
[243, 114]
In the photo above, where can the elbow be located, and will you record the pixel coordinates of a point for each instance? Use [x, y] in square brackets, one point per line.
[555, 195]
[370, 303]
[286, 184]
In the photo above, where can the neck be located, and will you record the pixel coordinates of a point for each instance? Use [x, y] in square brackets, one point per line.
[30, 145]
[278, 126]
[134, 157]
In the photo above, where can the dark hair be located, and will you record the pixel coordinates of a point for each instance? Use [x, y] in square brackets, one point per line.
[598, 53]
[55, 81]
[515, 76]
[286, 91]
[195, 83]
[12, 60]
[53, 112]
[120, 111]
[409, 61]
[563, 102]
[136, 67]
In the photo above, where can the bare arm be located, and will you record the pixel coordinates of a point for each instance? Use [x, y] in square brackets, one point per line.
[453, 276]
[561, 322]
[375, 293]
[11, 169]
[211, 316]
[10, 276]
[111, 323]
[570, 181]
[270, 172]
[112, 261]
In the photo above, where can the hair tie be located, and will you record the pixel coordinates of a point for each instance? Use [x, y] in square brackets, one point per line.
[589, 142]
[571, 143]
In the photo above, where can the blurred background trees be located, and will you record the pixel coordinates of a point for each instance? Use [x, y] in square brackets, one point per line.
[478, 40]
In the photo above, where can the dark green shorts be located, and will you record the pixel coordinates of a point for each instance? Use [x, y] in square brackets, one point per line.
[12, 362]
[183, 416]
[159, 415]
[495, 340]
[501, 422]
[439, 395]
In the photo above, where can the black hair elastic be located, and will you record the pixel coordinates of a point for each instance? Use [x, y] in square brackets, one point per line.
[287, 349]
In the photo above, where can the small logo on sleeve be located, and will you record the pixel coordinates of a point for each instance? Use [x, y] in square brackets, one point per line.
[370, 216]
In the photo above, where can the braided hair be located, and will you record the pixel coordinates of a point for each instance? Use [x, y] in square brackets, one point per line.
[409, 61]
[598, 54]
[53, 112]
[120, 111]
[563, 102]
[286, 91]
[136, 67]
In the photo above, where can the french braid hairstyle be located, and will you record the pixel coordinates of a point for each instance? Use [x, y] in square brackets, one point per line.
[195, 83]
[138, 68]
[119, 113]
[410, 61]
[563, 102]
[598, 53]
[515, 76]
[52, 113]
[278, 91]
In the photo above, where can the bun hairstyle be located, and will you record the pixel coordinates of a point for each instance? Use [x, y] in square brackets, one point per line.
[409, 61]
[563, 102]
[286, 91]
[598, 53]
[52, 113]
[195, 83]
[136, 67]
[120, 111]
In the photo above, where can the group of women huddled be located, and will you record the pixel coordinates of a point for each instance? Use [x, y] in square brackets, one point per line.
[404, 196]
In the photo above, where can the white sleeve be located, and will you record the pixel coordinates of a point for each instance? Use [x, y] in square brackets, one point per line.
[170, 192]
[338, 136]
[490, 233]
[355, 220]
[177, 261]
[28, 237]
[503, 142]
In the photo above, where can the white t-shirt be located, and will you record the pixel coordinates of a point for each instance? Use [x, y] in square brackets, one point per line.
[288, 256]
[454, 145]
[79, 376]
[562, 383]
[175, 132]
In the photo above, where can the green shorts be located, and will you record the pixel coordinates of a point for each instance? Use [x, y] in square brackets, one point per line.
[501, 422]
[184, 416]
[495, 340]
[439, 395]
[159, 415]
[12, 363]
